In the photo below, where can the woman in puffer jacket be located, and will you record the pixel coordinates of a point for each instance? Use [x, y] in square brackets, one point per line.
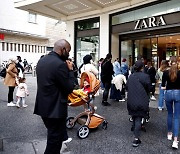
[138, 88]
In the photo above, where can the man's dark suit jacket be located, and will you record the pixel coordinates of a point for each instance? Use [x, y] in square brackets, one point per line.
[54, 83]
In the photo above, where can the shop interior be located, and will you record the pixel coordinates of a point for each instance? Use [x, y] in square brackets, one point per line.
[154, 48]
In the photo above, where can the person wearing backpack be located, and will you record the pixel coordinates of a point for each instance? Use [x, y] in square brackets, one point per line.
[9, 80]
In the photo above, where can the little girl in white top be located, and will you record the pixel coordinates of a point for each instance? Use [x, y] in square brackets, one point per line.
[22, 92]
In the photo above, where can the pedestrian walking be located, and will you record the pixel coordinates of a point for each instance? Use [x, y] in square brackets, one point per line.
[150, 69]
[124, 68]
[106, 77]
[22, 92]
[171, 83]
[138, 87]
[20, 67]
[116, 67]
[159, 75]
[55, 80]
[9, 80]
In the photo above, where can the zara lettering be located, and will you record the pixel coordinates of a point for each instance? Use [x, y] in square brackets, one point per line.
[150, 22]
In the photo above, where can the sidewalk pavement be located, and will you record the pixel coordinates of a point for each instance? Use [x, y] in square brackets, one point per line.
[118, 125]
[37, 146]
[33, 147]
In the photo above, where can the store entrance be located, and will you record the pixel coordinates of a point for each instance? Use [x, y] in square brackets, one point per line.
[155, 49]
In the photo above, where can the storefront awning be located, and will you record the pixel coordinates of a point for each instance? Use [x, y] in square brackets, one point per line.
[75, 9]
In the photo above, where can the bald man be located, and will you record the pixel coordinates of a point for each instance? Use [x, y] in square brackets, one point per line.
[55, 80]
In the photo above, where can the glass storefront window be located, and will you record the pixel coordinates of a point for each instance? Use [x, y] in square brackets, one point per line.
[87, 24]
[87, 45]
[126, 52]
[155, 10]
[155, 49]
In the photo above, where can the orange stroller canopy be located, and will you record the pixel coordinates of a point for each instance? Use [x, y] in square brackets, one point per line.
[93, 81]
[79, 97]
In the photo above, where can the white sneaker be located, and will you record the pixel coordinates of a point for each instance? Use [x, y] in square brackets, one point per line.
[175, 145]
[153, 98]
[122, 100]
[17, 105]
[160, 108]
[11, 104]
[24, 105]
[68, 140]
[169, 137]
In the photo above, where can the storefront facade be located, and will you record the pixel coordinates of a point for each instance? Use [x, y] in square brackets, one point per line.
[151, 31]
[124, 28]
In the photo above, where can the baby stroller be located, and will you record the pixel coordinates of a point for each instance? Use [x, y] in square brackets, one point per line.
[88, 118]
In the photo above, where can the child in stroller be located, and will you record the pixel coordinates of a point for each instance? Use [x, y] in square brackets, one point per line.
[89, 85]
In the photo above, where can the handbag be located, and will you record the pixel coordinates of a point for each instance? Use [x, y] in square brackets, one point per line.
[3, 73]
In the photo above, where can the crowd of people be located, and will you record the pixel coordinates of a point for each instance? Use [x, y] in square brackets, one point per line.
[57, 77]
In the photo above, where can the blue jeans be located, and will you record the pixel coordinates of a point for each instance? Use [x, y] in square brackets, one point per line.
[172, 97]
[161, 97]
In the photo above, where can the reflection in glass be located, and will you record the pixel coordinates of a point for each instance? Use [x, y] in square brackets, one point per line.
[87, 45]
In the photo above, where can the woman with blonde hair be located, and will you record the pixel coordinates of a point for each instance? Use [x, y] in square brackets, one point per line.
[159, 75]
[171, 82]
[11, 74]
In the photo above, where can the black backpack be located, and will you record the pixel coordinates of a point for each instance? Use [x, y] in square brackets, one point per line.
[3, 73]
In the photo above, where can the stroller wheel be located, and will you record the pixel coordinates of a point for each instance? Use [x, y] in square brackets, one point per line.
[70, 125]
[104, 124]
[131, 119]
[83, 132]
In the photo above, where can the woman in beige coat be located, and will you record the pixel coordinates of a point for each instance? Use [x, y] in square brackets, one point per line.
[11, 74]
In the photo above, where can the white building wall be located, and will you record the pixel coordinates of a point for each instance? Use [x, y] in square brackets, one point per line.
[70, 35]
[17, 20]
[104, 35]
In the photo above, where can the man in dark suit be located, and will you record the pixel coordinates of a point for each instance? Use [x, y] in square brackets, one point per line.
[55, 80]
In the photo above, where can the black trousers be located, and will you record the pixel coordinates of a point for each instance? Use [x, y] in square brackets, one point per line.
[107, 86]
[137, 126]
[10, 94]
[56, 133]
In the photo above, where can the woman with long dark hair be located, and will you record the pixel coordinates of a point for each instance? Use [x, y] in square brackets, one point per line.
[171, 82]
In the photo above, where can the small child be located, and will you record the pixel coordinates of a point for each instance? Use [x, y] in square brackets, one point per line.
[22, 91]
[86, 86]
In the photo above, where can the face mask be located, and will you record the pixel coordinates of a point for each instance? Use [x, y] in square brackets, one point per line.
[91, 61]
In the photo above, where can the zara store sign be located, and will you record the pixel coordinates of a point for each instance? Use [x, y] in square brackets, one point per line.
[149, 22]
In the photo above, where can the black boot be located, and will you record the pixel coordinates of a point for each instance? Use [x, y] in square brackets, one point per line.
[105, 103]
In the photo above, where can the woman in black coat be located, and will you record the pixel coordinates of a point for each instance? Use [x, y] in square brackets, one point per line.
[138, 87]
